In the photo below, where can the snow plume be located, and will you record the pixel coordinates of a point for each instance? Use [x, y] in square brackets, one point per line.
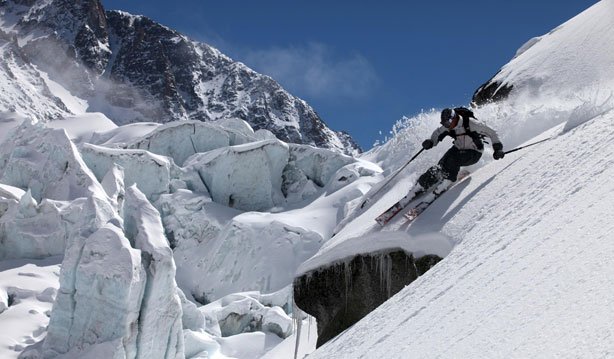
[593, 103]
[517, 120]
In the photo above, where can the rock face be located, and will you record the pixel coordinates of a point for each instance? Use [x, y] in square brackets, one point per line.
[340, 295]
[491, 91]
[133, 69]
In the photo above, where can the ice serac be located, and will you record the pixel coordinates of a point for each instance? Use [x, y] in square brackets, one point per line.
[117, 289]
[47, 163]
[182, 139]
[246, 177]
[160, 322]
[150, 171]
[244, 313]
[102, 303]
[340, 294]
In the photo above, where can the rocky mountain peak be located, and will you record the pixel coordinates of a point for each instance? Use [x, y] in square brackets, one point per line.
[134, 69]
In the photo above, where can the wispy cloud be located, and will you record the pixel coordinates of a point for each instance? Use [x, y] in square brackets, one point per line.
[314, 70]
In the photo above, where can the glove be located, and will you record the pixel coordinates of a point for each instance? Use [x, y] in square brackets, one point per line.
[499, 154]
[427, 144]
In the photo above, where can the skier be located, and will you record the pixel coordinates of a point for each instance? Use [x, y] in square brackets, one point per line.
[467, 132]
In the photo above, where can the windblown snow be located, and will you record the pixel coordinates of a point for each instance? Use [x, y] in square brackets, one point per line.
[183, 239]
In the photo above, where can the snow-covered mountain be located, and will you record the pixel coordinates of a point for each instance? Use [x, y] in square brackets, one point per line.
[564, 59]
[80, 58]
[184, 239]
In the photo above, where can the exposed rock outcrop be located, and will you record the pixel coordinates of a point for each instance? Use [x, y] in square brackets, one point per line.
[491, 91]
[340, 295]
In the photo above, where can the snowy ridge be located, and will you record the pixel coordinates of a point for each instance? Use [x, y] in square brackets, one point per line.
[562, 59]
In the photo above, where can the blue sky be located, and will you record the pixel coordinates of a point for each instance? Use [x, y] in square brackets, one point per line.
[364, 64]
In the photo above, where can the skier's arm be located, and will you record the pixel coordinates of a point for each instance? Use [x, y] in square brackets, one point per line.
[494, 138]
[488, 132]
[438, 135]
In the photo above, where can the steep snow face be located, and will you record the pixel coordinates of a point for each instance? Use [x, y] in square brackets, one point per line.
[507, 279]
[529, 275]
[575, 56]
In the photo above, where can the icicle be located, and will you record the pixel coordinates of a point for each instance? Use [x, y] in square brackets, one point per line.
[348, 281]
[389, 277]
[298, 323]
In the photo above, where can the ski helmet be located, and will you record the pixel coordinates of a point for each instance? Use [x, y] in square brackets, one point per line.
[447, 115]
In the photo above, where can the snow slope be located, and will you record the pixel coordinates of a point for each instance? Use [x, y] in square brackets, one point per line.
[531, 273]
[565, 57]
[529, 270]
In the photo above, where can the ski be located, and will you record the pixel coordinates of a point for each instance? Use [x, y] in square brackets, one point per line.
[413, 213]
[385, 217]
[429, 198]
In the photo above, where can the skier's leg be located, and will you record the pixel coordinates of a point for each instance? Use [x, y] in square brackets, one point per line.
[450, 164]
[469, 157]
[431, 177]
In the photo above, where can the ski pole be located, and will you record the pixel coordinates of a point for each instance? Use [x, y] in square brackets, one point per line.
[391, 177]
[525, 146]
